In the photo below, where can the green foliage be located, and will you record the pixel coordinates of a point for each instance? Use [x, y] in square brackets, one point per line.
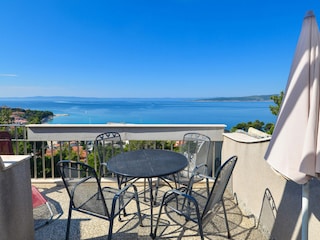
[35, 116]
[90, 160]
[245, 126]
[189, 147]
[32, 116]
[5, 115]
[135, 145]
[277, 99]
[43, 166]
[269, 127]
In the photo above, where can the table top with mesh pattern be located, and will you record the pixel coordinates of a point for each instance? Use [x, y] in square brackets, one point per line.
[147, 163]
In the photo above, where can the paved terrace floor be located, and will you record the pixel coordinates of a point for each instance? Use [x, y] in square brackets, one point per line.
[86, 227]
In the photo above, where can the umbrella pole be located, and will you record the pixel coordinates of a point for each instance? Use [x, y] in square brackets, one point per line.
[305, 211]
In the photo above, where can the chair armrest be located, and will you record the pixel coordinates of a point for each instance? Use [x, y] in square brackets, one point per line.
[119, 195]
[125, 189]
[173, 194]
[207, 177]
[180, 193]
[122, 190]
[198, 167]
[203, 176]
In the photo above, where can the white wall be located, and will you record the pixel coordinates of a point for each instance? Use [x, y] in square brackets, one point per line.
[258, 187]
[16, 216]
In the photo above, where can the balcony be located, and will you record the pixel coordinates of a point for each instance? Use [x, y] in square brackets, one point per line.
[86, 227]
[261, 204]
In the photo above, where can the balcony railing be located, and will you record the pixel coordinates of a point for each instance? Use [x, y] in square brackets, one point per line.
[49, 143]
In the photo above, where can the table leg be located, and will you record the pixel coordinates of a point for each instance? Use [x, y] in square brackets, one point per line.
[151, 205]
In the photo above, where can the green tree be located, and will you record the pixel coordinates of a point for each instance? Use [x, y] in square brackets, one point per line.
[277, 99]
[269, 127]
[91, 160]
[5, 115]
[245, 126]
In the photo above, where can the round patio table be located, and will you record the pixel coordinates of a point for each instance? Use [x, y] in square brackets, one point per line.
[147, 163]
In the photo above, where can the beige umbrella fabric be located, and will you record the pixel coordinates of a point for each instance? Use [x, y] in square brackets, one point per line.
[295, 145]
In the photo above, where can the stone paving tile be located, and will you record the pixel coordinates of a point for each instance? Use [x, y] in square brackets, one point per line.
[171, 227]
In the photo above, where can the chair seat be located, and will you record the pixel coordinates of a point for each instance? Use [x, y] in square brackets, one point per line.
[91, 200]
[180, 204]
[87, 196]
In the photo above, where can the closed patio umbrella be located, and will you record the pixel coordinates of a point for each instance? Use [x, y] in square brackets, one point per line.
[295, 145]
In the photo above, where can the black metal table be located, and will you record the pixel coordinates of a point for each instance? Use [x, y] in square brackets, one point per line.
[147, 163]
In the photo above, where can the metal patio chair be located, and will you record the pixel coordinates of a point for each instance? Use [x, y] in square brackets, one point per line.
[196, 206]
[108, 145]
[87, 196]
[196, 147]
[5, 143]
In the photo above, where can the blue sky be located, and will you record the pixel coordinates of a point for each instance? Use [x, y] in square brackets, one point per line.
[151, 48]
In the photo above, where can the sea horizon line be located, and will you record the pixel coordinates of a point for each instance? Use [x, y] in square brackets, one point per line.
[219, 99]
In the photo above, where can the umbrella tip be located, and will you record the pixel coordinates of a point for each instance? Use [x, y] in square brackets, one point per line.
[310, 14]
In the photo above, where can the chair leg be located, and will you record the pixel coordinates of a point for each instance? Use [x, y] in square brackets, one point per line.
[199, 219]
[156, 191]
[225, 217]
[144, 189]
[138, 204]
[119, 180]
[208, 189]
[201, 231]
[100, 172]
[68, 223]
[176, 181]
[154, 235]
[110, 229]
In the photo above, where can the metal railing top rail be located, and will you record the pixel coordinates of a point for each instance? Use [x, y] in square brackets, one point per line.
[87, 132]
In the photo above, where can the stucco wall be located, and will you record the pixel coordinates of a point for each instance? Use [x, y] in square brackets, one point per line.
[16, 216]
[274, 201]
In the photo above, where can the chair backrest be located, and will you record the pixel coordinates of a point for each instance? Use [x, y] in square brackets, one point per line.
[196, 148]
[83, 187]
[108, 144]
[5, 143]
[223, 176]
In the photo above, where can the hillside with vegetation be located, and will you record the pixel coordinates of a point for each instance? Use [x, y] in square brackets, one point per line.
[257, 124]
[254, 98]
[23, 116]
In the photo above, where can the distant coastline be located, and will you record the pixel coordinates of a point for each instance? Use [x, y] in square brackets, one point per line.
[255, 98]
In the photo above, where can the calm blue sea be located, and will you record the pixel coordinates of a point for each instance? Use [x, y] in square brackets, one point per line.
[97, 110]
